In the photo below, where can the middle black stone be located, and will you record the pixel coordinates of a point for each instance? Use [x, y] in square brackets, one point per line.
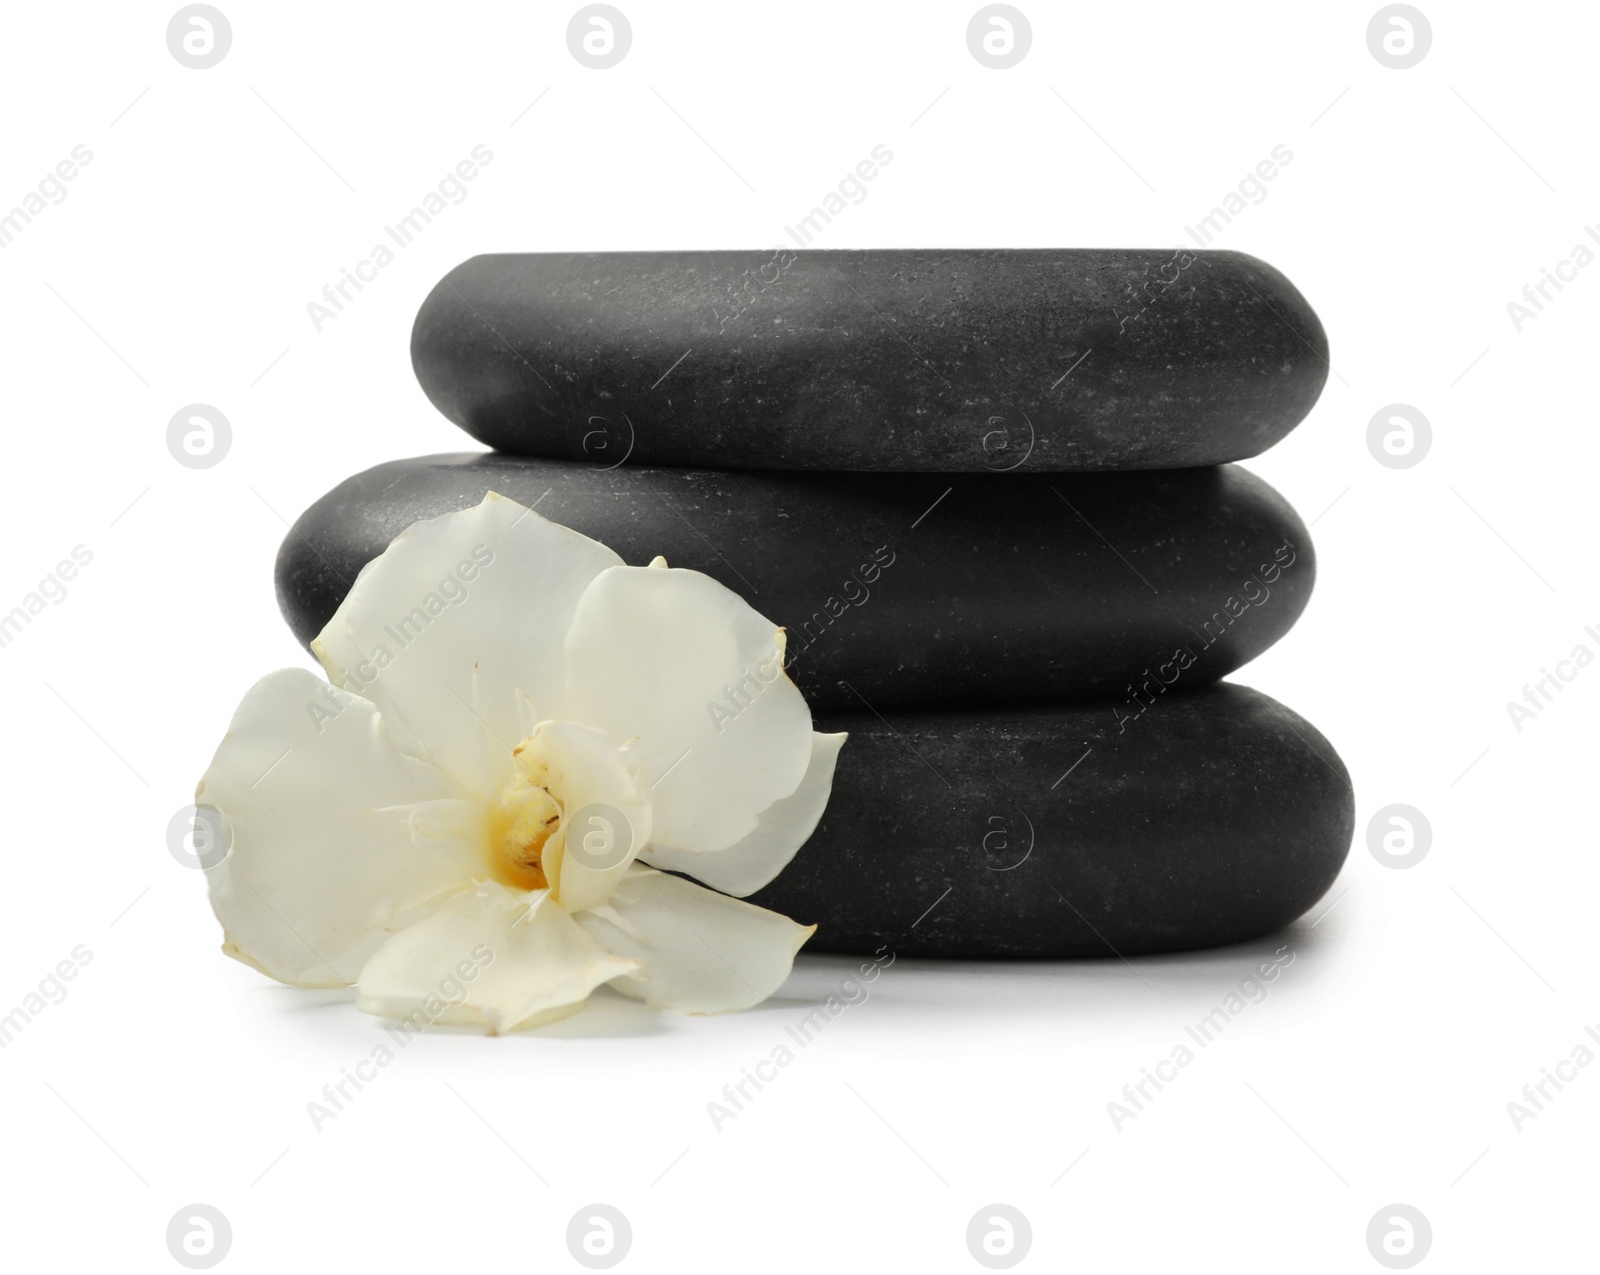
[897, 590]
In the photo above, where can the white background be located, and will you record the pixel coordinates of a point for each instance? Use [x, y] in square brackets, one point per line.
[178, 269]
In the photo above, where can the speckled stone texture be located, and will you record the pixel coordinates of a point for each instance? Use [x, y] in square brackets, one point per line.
[898, 590]
[1216, 816]
[908, 360]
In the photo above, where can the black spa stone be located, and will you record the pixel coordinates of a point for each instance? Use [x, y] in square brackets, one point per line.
[1216, 816]
[967, 360]
[897, 590]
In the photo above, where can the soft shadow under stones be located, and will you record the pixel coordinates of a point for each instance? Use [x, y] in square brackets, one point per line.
[1109, 988]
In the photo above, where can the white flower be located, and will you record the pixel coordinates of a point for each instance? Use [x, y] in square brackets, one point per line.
[519, 732]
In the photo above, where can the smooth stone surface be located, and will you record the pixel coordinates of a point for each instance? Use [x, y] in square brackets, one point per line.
[897, 590]
[892, 360]
[1218, 816]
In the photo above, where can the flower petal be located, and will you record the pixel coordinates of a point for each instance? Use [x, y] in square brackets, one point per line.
[328, 846]
[702, 952]
[605, 818]
[492, 957]
[458, 627]
[675, 660]
[747, 865]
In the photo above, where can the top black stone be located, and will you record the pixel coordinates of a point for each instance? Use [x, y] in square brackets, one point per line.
[891, 360]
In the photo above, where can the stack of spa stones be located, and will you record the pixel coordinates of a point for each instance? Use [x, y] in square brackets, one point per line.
[989, 495]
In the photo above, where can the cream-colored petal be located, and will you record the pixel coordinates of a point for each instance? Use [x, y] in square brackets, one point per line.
[747, 865]
[335, 831]
[459, 626]
[493, 958]
[674, 660]
[701, 952]
[605, 820]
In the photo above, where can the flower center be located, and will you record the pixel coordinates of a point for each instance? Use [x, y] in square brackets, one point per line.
[521, 823]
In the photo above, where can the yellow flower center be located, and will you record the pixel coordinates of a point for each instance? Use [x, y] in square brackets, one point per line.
[522, 823]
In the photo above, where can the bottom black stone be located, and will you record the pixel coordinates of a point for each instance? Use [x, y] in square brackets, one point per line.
[1214, 816]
